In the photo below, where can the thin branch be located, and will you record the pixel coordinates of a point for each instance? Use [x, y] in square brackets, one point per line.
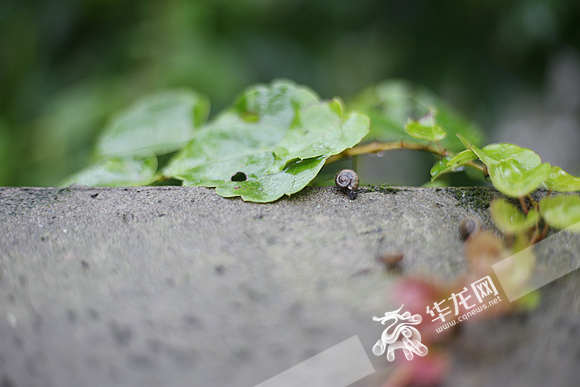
[375, 147]
[523, 204]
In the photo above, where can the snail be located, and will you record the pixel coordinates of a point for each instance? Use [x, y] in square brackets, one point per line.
[469, 226]
[347, 180]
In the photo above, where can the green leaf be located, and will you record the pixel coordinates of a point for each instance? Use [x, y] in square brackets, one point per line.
[440, 167]
[495, 153]
[390, 103]
[275, 139]
[511, 179]
[158, 124]
[461, 159]
[561, 181]
[463, 140]
[561, 211]
[425, 129]
[435, 184]
[116, 172]
[509, 220]
[293, 178]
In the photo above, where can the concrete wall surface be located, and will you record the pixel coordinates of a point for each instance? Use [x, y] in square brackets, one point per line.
[176, 286]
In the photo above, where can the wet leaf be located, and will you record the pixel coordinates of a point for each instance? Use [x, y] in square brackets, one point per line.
[295, 176]
[494, 153]
[116, 172]
[561, 181]
[425, 129]
[462, 158]
[440, 167]
[277, 135]
[561, 212]
[509, 220]
[510, 178]
[158, 124]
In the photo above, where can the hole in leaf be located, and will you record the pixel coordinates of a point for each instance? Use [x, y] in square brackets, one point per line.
[240, 176]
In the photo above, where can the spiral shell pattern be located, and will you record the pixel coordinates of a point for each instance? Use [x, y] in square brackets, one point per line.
[347, 180]
[469, 226]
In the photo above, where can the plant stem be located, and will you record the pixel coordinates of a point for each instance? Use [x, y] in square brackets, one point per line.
[480, 168]
[545, 231]
[376, 147]
[523, 204]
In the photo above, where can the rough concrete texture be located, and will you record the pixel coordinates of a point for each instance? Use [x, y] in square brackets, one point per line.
[176, 286]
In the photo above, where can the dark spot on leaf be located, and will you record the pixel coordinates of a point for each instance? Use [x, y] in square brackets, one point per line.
[240, 176]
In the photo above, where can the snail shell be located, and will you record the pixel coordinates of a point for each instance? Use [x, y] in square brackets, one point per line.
[347, 180]
[469, 226]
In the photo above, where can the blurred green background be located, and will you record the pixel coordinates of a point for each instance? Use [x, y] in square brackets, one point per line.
[67, 66]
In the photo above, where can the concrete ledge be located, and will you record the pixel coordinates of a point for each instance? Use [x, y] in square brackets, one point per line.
[176, 286]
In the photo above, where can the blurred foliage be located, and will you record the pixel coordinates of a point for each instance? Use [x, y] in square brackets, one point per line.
[67, 66]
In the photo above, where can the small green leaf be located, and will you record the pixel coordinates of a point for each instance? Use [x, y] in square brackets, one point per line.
[561, 181]
[462, 158]
[425, 129]
[463, 140]
[511, 179]
[390, 103]
[277, 152]
[440, 167]
[509, 220]
[561, 211]
[116, 172]
[495, 153]
[158, 124]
